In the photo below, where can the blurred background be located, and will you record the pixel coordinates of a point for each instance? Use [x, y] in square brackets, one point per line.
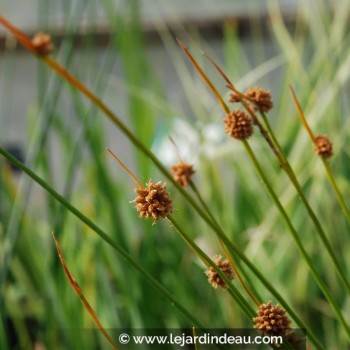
[125, 51]
[84, 19]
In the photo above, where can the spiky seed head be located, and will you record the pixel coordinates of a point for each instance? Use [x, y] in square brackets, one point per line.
[238, 125]
[214, 278]
[272, 320]
[153, 201]
[323, 146]
[42, 43]
[182, 173]
[260, 98]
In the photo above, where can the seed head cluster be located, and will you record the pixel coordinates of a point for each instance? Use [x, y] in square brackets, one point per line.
[260, 99]
[182, 173]
[323, 146]
[42, 43]
[214, 278]
[153, 201]
[238, 125]
[272, 320]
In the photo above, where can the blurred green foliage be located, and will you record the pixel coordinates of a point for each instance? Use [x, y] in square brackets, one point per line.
[66, 146]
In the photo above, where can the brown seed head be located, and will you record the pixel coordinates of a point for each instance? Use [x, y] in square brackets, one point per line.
[153, 201]
[323, 146]
[214, 278]
[182, 173]
[238, 125]
[42, 44]
[261, 99]
[234, 98]
[272, 320]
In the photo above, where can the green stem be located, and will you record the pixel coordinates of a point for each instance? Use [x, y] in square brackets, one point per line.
[249, 311]
[256, 296]
[282, 158]
[336, 189]
[325, 163]
[234, 250]
[321, 233]
[296, 238]
[103, 236]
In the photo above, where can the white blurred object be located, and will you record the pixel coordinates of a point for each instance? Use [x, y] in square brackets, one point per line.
[191, 142]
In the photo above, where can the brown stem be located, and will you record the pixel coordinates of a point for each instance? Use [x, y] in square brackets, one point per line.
[243, 100]
[20, 36]
[204, 76]
[228, 256]
[138, 183]
[302, 115]
[81, 296]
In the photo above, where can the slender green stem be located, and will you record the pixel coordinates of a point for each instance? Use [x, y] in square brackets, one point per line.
[249, 311]
[103, 236]
[325, 163]
[234, 250]
[255, 295]
[296, 238]
[313, 216]
[277, 145]
[336, 189]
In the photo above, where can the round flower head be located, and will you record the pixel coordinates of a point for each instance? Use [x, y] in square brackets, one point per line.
[42, 44]
[261, 99]
[182, 173]
[238, 125]
[153, 201]
[272, 320]
[214, 278]
[323, 146]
